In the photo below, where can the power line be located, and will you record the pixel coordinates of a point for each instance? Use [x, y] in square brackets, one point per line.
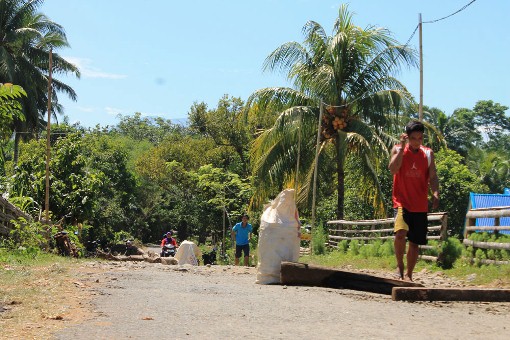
[460, 10]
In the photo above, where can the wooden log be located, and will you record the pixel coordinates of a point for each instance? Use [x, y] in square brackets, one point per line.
[302, 274]
[422, 246]
[488, 228]
[430, 217]
[486, 245]
[364, 238]
[450, 294]
[502, 207]
[428, 258]
[504, 212]
[363, 222]
[439, 216]
[134, 258]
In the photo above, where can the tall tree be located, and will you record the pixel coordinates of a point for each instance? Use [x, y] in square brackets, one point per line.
[226, 125]
[26, 37]
[351, 73]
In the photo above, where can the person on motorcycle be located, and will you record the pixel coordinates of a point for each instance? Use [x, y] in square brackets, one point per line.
[169, 240]
[168, 245]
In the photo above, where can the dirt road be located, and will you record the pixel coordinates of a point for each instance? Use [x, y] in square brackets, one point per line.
[152, 301]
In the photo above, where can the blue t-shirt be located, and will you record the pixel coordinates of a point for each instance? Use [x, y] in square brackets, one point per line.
[242, 233]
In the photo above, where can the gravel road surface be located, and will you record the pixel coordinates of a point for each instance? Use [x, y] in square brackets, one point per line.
[139, 300]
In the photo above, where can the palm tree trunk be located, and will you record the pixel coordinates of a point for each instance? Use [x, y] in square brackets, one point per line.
[340, 170]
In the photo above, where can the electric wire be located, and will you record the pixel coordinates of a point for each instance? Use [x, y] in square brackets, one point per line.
[443, 18]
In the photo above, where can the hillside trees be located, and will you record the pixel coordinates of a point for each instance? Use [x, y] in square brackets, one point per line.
[227, 126]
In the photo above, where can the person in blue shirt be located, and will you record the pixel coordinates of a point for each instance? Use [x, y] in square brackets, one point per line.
[242, 232]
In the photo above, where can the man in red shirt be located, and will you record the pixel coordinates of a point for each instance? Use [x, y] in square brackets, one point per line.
[414, 170]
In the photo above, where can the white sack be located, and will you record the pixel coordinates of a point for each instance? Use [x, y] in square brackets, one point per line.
[188, 253]
[279, 237]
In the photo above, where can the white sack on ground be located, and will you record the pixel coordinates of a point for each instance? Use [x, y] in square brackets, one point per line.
[188, 253]
[278, 237]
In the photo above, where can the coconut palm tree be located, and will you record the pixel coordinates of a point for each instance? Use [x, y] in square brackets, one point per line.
[26, 37]
[351, 75]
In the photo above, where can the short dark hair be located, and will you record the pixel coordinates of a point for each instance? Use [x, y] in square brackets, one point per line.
[414, 126]
[245, 215]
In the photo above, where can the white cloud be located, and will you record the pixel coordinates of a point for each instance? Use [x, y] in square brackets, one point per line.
[89, 71]
[85, 109]
[113, 111]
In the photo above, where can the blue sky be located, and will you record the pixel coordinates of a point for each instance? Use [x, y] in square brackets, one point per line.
[157, 57]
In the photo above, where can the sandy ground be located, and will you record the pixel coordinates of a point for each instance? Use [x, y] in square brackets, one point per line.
[133, 300]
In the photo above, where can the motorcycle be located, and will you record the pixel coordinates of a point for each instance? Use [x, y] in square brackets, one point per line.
[168, 250]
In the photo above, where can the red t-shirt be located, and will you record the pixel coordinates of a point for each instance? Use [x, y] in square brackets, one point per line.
[411, 182]
[170, 240]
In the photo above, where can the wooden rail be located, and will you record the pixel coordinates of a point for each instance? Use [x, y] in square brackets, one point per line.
[369, 230]
[9, 212]
[495, 212]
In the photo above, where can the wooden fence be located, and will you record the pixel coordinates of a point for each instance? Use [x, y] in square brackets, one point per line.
[382, 229]
[9, 212]
[496, 213]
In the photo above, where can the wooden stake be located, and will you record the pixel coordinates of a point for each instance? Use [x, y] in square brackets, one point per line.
[450, 294]
[307, 275]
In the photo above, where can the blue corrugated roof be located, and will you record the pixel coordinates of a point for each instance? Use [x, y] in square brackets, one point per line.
[489, 201]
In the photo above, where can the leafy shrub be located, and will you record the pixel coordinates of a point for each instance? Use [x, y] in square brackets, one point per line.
[343, 246]
[387, 249]
[451, 250]
[371, 249]
[319, 239]
[121, 237]
[354, 247]
[26, 236]
[480, 255]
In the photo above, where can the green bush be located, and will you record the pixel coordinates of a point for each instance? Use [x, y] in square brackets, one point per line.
[451, 250]
[121, 237]
[26, 236]
[319, 239]
[387, 249]
[371, 249]
[343, 246]
[354, 247]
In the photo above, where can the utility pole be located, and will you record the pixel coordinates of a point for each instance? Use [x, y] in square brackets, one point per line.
[224, 211]
[420, 108]
[48, 127]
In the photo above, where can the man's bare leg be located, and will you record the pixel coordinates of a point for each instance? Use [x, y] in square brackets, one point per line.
[246, 261]
[412, 257]
[237, 261]
[400, 247]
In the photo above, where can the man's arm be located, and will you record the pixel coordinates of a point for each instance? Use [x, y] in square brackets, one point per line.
[434, 182]
[397, 153]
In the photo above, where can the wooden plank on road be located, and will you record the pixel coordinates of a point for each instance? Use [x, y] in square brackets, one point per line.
[450, 294]
[302, 274]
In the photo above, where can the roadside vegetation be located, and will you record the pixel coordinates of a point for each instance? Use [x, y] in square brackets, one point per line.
[147, 175]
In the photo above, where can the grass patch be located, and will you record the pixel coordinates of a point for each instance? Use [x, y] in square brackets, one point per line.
[34, 293]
